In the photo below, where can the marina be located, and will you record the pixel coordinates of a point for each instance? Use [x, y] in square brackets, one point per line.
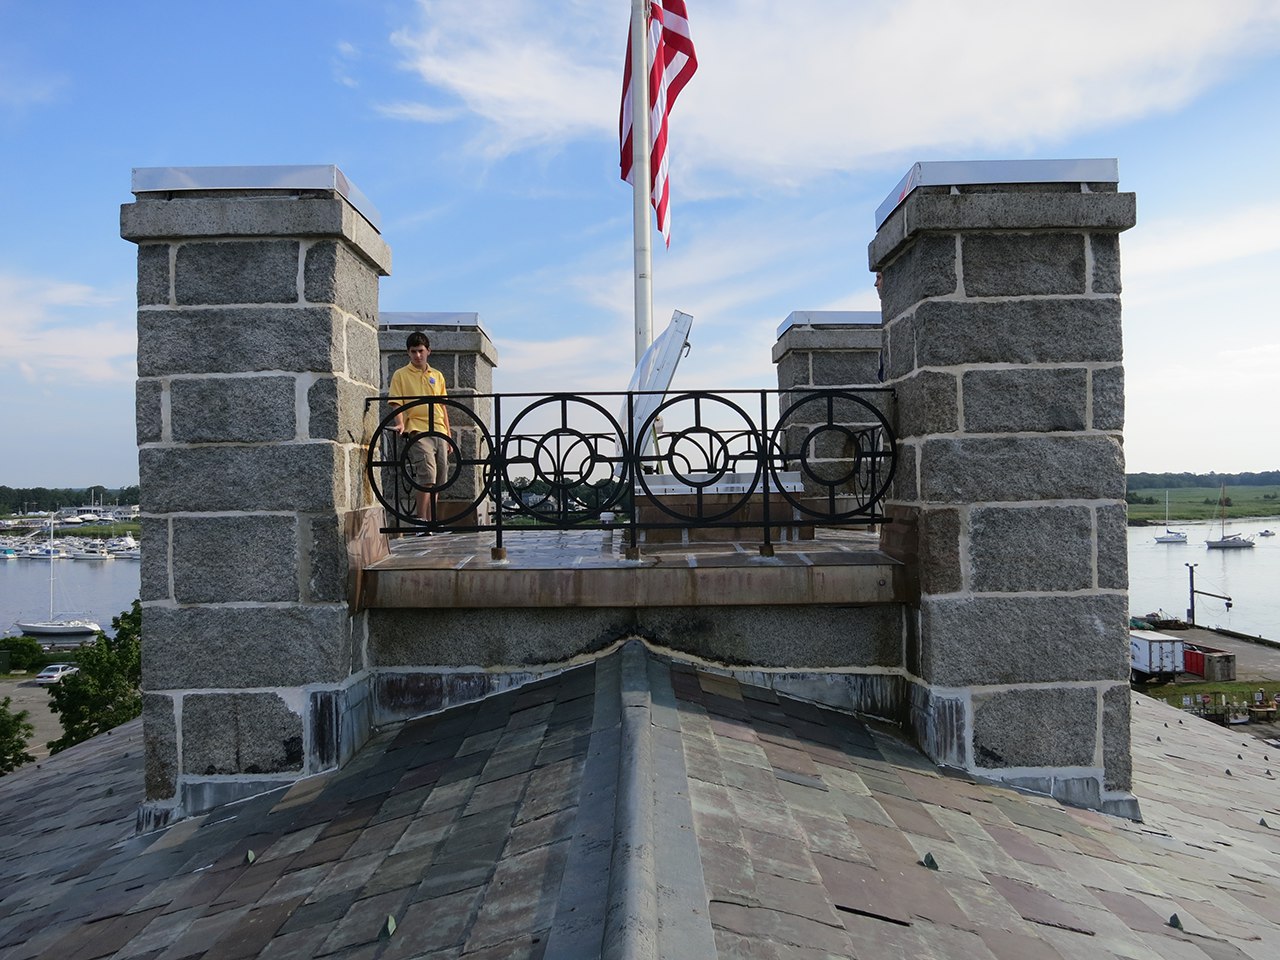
[91, 590]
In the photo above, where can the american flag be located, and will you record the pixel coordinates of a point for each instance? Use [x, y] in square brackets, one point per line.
[672, 62]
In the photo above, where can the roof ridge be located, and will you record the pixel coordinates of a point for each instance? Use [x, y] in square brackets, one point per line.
[631, 921]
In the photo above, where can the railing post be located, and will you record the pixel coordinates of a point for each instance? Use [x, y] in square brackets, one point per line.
[766, 465]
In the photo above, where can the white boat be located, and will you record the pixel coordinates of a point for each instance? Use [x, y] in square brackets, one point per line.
[1169, 536]
[55, 626]
[1266, 533]
[93, 550]
[1228, 541]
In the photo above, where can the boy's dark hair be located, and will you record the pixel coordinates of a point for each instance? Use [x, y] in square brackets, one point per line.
[417, 339]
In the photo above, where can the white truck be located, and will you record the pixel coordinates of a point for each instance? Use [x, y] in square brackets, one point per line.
[1154, 655]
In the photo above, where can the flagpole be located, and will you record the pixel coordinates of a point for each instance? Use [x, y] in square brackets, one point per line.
[642, 181]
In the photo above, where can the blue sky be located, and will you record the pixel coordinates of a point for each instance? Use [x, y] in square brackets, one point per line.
[485, 133]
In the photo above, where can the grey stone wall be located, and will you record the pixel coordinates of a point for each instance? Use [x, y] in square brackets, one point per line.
[1003, 341]
[257, 348]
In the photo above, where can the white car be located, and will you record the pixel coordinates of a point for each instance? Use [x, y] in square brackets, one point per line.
[54, 672]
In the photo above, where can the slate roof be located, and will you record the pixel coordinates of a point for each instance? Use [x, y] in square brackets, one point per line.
[640, 806]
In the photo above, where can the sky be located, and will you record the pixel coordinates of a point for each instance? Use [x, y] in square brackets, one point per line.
[485, 132]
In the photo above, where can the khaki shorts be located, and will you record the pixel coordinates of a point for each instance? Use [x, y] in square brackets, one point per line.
[429, 457]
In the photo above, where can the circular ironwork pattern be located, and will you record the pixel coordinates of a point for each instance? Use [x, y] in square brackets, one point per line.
[566, 460]
[846, 453]
[718, 459]
[391, 476]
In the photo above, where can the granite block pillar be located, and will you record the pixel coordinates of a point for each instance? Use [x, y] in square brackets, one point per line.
[462, 350]
[1001, 305]
[827, 350]
[257, 348]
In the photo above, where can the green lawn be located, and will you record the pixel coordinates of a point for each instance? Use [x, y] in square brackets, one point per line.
[1188, 503]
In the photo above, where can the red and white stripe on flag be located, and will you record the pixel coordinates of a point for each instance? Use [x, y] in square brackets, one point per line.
[672, 62]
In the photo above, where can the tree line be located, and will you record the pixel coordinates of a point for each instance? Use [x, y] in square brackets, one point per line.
[1174, 481]
[15, 500]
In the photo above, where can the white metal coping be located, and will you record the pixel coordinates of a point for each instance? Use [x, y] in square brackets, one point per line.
[829, 318]
[394, 320]
[316, 176]
[957, 172]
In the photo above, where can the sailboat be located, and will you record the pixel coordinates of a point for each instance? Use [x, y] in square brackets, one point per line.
[1169, 536]
[53, 626]
[1227, 541]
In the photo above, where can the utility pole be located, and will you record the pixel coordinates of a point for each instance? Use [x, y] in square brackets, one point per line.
[1191, 609]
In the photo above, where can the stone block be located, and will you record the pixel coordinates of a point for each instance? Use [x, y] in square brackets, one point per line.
[905, 484]
[1006, 640]
[925, 270]
[153, 274]
[1105, 248]
[928, 403]
[240, 340]
[1023, 264]
[250, 213]
[1117, 757]
[491, 637]
[362, 359]
[1025, 401]
[332, 273]
[932, 210]
[1035, 728]
[782, 636]
[232, 409]
[1108, 398]
[236, 271]
[148, 402]
[1113, 547]
[793, 370]
[954, 332]
[325, 565]
[938, 545]
[160, 746]
[338, 410]
[292, 476]
[1014, 549]
[191, 648]
[845, 368]
[251, 558]
[154, 568]
[1021, 468]
[900, 347]
[237, 733]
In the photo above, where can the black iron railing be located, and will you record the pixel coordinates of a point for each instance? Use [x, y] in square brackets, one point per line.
[760, 459]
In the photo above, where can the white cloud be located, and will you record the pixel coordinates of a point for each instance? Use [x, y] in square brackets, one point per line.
[1173, 247]
[50, 328]
[828, 85]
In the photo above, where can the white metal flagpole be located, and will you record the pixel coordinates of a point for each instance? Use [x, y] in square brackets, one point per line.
[641, 179]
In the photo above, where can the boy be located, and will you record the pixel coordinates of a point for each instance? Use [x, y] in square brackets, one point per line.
[429, 453]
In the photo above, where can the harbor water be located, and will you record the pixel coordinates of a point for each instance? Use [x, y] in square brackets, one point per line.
[90, 589]
[1158, 580]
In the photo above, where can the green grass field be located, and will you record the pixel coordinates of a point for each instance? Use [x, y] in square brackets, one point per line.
[1188, 503]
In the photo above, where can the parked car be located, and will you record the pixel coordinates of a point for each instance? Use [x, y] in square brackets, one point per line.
[54, 672]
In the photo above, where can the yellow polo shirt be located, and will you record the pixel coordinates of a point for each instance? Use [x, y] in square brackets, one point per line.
[409, 381]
